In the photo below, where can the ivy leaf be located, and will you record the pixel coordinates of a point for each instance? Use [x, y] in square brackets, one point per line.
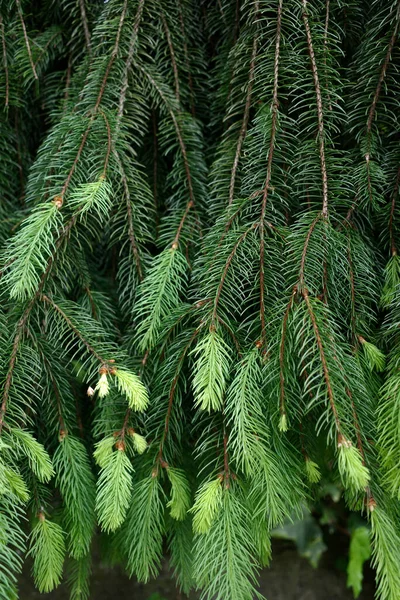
[359, 552]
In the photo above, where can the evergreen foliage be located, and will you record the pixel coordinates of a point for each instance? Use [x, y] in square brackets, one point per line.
[200, 283]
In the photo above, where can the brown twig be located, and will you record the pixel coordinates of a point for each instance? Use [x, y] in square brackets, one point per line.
[177, 130]
[113, 56]
[182, 222]
[372, 110]
[382, 75]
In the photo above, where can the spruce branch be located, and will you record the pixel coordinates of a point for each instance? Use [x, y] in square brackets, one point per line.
[28, 47]
[5, 62]
[320, 112]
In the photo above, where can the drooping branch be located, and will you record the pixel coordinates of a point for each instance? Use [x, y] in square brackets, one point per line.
[173, 59]
[128, 63]
[382, 75]
[114, 54]
[131, 231]
[320, 112]
[27, 44]
[76, 331]
[246, 114]
[3, 42]
[85, 25]
[228, 263]
[274, 110]
[324, 363]
[171, 396]
[282, 408]
[395, 193]
[187, 59]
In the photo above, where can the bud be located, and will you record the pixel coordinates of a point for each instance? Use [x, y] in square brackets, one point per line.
[102, 386]
[58, 201]
[283, 424]
[120, 445]
[90, 391]
[343, 442]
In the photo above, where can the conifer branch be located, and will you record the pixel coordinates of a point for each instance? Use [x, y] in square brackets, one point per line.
[131, 232]
[187, 60]
[305, 250]
[171, 395]
[3, 42]
[76, 331]
[85, 25]
[227, 265]
[395, 193]
[28, 47]
[274, 110]
[382, 75]
[246, 114]
[282, 408]
[114, 54]
[177, 129]
[173, 59]
[175, 243]
[320, 111]
[128, 64]
[323, 360]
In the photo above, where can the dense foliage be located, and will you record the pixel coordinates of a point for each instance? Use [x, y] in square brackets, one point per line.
[200, 285]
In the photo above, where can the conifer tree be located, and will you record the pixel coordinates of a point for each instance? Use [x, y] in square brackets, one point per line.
[200, 283]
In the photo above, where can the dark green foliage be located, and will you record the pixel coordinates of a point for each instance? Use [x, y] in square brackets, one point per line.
[200, 284]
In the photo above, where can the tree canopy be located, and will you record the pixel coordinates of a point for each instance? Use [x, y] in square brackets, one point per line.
[200, 283]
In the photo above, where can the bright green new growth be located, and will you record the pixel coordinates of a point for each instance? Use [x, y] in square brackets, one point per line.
[200, 284]
[130, 385]
[139, 443]
[47, 549]
[374, 356]
[38, 459]
[114, 489]
[180, 494]
[351, 468]
[312, 471]
[77, 486]
[211, 371]
[207, 504]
